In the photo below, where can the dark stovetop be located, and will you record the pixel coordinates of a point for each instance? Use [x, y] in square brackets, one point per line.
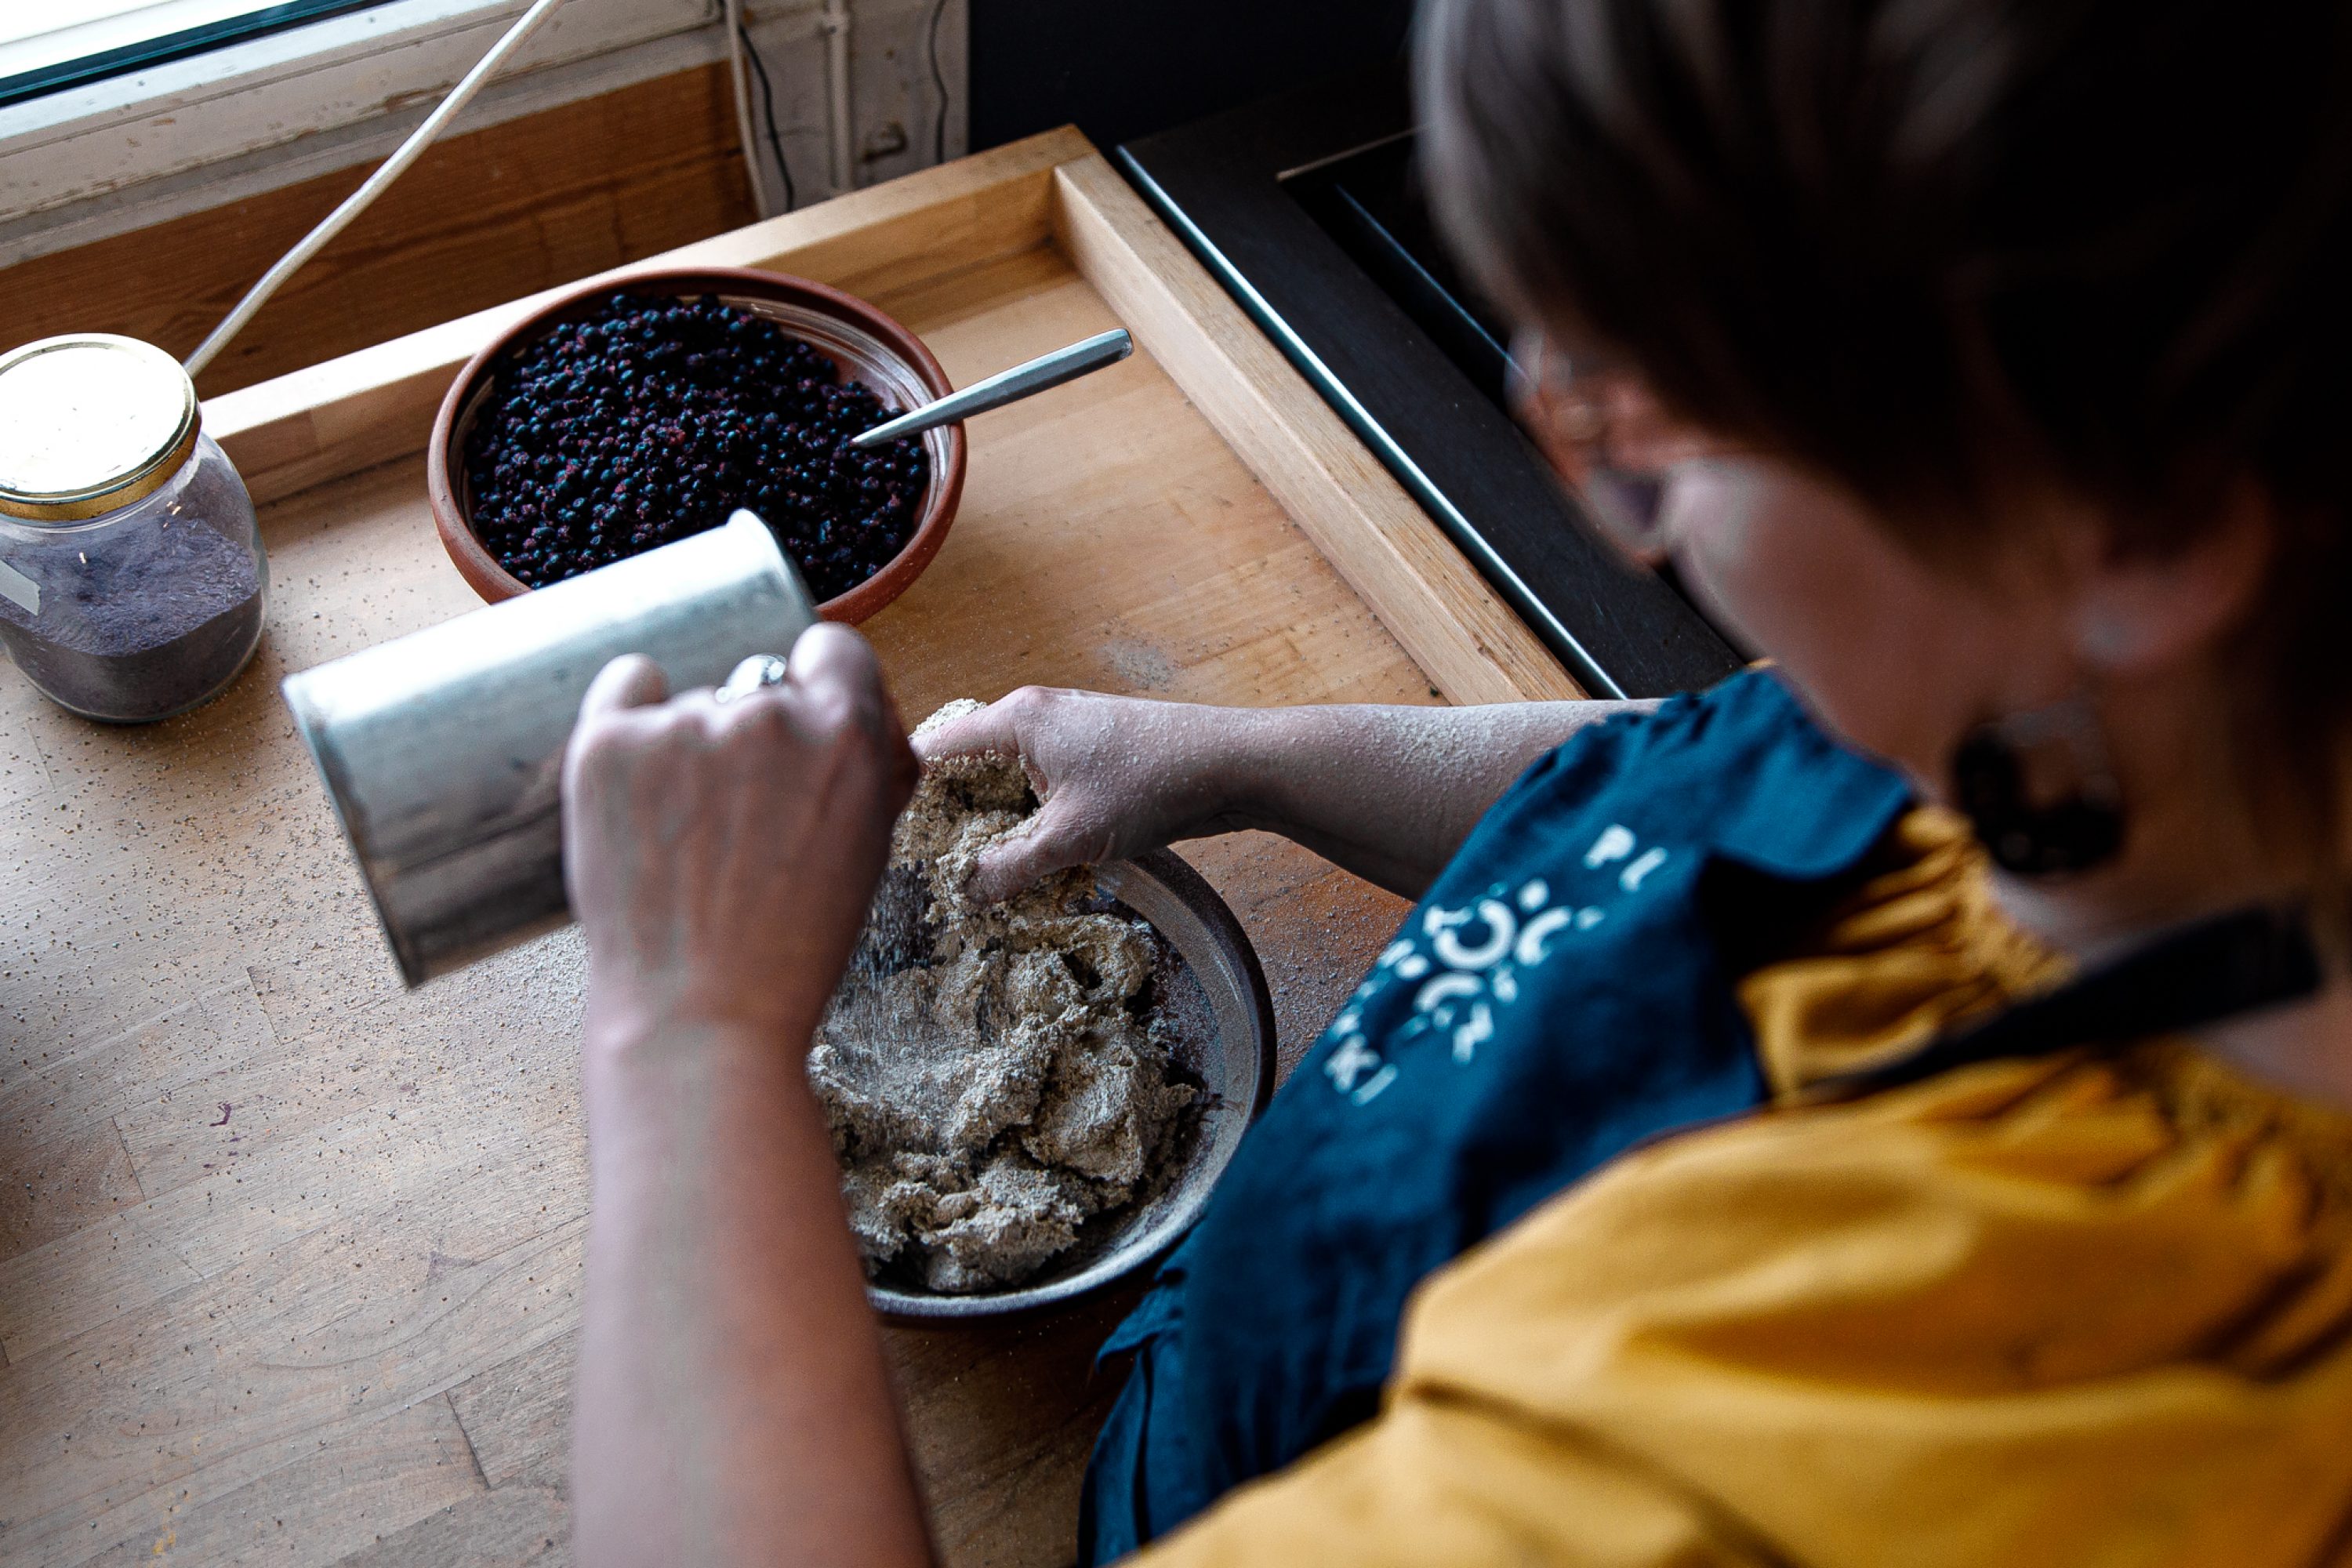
[1370, 201]
[1307, 209]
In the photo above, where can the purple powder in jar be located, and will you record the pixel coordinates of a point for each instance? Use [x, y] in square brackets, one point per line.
[144, 617]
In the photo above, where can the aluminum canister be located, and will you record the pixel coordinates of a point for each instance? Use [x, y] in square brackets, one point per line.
[443, 750]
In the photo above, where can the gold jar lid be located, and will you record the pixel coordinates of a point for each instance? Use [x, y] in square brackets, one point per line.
[90, 423]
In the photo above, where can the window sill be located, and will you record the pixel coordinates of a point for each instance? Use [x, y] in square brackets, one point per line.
[87, 162]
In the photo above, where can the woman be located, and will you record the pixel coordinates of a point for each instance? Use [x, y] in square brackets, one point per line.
[1894, 1108]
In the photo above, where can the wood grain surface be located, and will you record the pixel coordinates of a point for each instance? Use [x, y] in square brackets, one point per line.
[482, 218]
[290, 1257]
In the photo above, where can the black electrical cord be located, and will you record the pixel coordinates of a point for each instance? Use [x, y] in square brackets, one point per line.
[768, 107]
[939, 81]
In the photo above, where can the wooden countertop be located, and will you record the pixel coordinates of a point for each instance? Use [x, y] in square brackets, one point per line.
[290, 1257]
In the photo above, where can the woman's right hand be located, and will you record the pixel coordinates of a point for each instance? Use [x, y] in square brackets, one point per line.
[1117, 775]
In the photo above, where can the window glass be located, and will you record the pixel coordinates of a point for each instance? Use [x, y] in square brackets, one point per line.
[65, 43]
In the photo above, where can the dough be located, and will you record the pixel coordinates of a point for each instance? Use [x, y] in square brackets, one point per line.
[995, 1076]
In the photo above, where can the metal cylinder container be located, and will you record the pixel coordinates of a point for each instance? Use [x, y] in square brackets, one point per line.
[443, 750]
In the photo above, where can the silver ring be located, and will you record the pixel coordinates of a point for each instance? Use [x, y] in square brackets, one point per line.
[759, 670]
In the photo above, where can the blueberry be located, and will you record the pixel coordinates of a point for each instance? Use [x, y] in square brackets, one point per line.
[651, 419]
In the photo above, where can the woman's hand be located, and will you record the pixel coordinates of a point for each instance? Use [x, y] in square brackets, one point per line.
[1117, 775]
[722, 856]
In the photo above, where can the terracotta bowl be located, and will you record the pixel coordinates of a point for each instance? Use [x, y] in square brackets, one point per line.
[867, 346]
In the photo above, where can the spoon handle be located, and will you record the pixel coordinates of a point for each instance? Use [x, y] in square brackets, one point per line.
[1006, 386]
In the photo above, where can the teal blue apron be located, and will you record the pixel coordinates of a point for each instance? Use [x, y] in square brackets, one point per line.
[1563, 992]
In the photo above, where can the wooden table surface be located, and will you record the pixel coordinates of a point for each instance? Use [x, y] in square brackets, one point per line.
[290, 1259]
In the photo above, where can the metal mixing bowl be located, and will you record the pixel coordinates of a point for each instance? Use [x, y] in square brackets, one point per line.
[1234, 1066]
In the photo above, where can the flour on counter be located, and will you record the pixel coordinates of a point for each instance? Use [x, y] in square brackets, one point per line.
[995, 1075]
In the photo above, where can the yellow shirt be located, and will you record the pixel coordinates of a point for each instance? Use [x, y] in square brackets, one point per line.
[2076, 1311]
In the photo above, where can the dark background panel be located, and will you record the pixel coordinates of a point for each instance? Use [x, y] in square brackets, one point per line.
[1123, 69]
[1307, 206]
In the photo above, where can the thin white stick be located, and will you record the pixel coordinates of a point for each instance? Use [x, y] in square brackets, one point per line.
[359, 201]
[835, 25]
[736, 73]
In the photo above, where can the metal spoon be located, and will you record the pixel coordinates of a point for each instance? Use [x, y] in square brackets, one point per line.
[1006, 386]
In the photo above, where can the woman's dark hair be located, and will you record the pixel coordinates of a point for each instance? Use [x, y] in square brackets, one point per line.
[1934, 247]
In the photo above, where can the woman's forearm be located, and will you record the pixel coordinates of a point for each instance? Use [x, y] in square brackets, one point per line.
[1388, 793]
[1391, 792]
[733, 1402]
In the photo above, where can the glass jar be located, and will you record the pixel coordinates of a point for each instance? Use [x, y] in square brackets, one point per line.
[132, 581]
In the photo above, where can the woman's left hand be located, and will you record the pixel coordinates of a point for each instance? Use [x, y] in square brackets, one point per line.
[732, 1393]
[722, 856]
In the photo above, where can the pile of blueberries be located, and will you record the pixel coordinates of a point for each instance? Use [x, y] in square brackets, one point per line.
[650, 418]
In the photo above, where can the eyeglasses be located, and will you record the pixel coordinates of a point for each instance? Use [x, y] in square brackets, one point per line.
[1607, 436]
